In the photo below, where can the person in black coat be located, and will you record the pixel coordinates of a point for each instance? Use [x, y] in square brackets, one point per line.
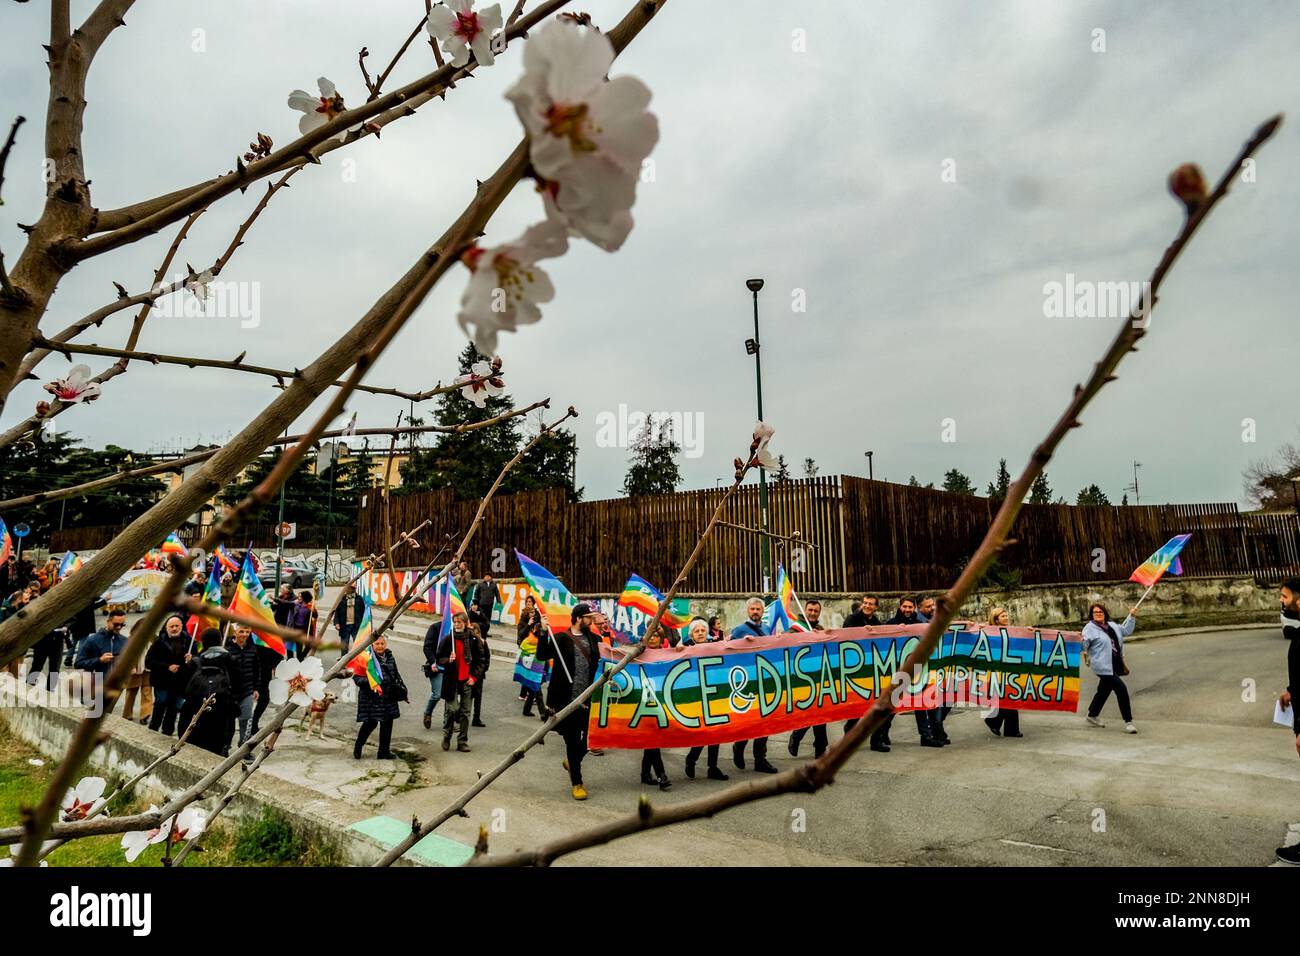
[456, 658]
[347, 616]
[865, 616]
[929, 723]
[482, 661]
[577, 656]
[379, 709]
[432, 670]
[248, 673]
[1290, 599]
[213, 675]
[169, 663]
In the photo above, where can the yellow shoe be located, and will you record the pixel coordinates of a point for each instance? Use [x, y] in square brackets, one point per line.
[579, 792]
[565, 763]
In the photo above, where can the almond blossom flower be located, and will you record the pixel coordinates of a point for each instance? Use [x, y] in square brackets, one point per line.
[298, 681]
[83, 799]
[46, 847]
[758, 448]
[461, 30]
[190, 823]
[588, 134]
[483, 382]
[76, 387]
[135, 843]
[317, 110]
[196, 283]
[506, 285]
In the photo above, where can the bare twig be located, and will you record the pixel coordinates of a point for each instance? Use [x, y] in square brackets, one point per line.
[820, 772]
[200, 607]
[132, 223]
[795, 538]
[225, 801]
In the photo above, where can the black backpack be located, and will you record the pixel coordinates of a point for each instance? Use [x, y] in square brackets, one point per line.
[212, 678]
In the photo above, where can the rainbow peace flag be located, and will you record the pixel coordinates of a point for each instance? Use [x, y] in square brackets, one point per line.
[6, 542]
[366, 664]
[174, 545]
[449, 604]
[225, 560]
[789, 602]
[1166, 559]
[71, 562]
[211, 595]
[640, 594]
[553, 598]
[250, 600]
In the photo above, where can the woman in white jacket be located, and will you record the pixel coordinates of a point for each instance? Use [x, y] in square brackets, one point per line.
[1103, 642]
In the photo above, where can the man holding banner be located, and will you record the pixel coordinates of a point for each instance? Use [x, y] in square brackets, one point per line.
[753, 627]
[577, 652]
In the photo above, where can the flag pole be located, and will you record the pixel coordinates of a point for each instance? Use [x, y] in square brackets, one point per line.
[1144, 595]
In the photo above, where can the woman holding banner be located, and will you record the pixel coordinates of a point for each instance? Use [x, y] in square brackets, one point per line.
[701, 632]
[1004, 722]
[1103, 642]
[652, 761]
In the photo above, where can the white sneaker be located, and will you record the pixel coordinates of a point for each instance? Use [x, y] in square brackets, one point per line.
[1129, 728]
[1096, 721]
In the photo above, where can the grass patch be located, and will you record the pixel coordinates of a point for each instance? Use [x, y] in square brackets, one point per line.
[261, 842]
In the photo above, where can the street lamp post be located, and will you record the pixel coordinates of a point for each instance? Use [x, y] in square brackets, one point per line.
[871, 473]
[752, 347]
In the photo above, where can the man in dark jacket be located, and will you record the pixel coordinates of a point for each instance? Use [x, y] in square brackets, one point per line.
[347, 616]
[169, 663]
[577, 654]
[1290, 597]
[98, 651]
[432, 671]
[865, 616]
[813, 612]
[486, 595]
[751, 627]
[214, 676]
[456, 658]
[248, 676]
[929, 723]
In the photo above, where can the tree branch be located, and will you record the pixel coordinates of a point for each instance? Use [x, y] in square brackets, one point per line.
[134, 222]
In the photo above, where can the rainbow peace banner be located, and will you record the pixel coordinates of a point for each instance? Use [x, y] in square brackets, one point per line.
[725, 691]
[6, 542]
[1166, 559]
[71, 562]
[173, 545]
[643, 597]
[365, 664]
[211, 595]
[553, 598]
[251, 600]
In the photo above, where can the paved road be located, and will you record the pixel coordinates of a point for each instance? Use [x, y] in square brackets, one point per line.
[1209, 780]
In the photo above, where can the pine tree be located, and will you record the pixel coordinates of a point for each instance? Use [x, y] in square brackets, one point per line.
[653, 469]
[997, 488]
[1092, 495]
[809, 468]
[957, 483]
[782, 470]
[1040, 492]
[913, 483]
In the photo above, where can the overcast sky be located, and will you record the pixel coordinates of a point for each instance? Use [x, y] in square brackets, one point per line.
[802, 142]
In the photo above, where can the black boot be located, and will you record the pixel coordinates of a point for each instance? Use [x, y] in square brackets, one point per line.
[528, 708]
[665, 783]
[928, 741]
[992, 723]
[762, 766]
[738, 755]
[690, 768]
[716, 774]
